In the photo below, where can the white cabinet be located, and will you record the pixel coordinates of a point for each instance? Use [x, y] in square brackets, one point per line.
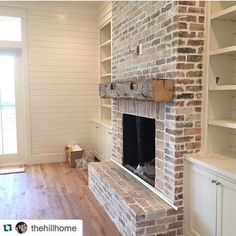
[226, 218]
[201, 195]
[107, 144]
[210, 203]
[102, 141]
[98, 140]
[95, 134]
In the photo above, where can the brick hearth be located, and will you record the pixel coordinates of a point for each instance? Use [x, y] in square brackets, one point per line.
[133, 208]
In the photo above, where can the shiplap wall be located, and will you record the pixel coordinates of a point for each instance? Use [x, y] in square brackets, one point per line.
[63, 71]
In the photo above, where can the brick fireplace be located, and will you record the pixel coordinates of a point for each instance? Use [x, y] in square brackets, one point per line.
[172, 34]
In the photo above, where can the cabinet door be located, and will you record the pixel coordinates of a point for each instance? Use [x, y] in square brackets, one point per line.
[107, 144]
[98, 140]
[226, 210]
[201, 198]
[95, 140]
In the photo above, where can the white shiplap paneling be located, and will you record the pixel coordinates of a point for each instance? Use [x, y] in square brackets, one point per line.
[63, 71]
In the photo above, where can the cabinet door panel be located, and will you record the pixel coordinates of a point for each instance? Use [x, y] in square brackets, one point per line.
[202, 203]
[95, 137]
[107, 144]
[226, 211]
[100, 140]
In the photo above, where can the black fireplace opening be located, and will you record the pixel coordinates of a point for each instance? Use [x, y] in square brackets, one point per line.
[139, 146]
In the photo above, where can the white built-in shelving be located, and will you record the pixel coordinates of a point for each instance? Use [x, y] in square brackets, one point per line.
[228, 123]
[102, 130]
[224, 51]
[225, 14]
[105, 66]
[214, 169]
[106, 59]
[222, 87]
[106, 44]
[106, 106]
[105, 75]
[221, 76]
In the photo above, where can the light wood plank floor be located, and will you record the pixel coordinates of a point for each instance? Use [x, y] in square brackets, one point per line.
[53, 191]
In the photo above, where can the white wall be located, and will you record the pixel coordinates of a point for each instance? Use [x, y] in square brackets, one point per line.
[63, 74]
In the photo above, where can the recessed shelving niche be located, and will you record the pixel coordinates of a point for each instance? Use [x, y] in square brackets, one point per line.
[105, 66]
[221, 76]
[223, 67]
[219, 9]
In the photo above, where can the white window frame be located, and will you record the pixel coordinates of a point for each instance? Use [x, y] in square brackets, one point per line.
[23, 118]
[15, 45]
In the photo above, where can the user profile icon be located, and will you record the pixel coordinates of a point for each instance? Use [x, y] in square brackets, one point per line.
[21, 227]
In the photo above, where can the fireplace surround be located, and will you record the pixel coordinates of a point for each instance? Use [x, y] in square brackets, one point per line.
[155, 112]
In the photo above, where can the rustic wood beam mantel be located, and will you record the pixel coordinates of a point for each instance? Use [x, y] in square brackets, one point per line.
[158, 90]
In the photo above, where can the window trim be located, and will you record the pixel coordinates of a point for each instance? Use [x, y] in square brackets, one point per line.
[19, 47]
[13, 12]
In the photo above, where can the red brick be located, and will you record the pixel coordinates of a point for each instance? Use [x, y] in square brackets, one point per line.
[192, 131]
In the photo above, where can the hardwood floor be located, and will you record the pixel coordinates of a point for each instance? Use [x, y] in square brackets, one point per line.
[53, 191]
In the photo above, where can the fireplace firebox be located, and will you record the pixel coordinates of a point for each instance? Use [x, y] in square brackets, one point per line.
[139, 146]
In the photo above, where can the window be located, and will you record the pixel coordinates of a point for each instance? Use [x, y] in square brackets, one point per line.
[10, 31]
[10, 28]
[8, 135]
[13, 105]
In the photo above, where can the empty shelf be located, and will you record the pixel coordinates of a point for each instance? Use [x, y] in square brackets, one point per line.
[228, 123]
[226, 14]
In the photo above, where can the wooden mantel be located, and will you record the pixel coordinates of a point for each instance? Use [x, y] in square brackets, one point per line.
[158, 90]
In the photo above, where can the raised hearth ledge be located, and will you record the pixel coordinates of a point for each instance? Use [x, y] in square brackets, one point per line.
[158, 193]
[131, 206]
[158, 90]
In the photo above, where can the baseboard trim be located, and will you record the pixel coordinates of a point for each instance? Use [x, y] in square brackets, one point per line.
[12, 163]
[36, 159]
[46, 158]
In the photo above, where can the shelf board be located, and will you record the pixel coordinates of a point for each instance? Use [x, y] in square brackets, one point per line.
[226, 14]
[106, 105]
[223, 163]
[107, 43]
[103, 122]
[106, 59]
[227, 123]
[105, 75]
[227, 50]
[223, 87]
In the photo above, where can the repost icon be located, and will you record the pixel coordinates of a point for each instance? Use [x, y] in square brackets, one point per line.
[7, 228]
